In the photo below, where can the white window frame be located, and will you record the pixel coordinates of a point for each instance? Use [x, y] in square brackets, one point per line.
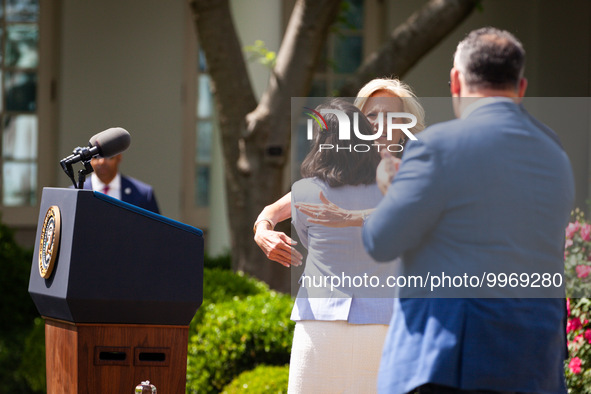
[26, 217]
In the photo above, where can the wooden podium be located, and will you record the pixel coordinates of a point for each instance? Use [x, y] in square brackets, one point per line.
[117, 286]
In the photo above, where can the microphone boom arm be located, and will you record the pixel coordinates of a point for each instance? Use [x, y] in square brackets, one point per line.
[83, 172]
[79, 154]
[67, 167]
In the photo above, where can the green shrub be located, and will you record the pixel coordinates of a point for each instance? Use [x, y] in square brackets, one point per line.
[15, 263]
[264, 379]
[237, 334]
[32, 366]
[221, 285]
[17, 310]
[222, 261]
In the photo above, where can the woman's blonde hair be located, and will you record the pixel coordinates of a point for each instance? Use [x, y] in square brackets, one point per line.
[410, 103]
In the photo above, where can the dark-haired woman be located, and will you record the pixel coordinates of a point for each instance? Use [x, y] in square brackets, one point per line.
[341, 311]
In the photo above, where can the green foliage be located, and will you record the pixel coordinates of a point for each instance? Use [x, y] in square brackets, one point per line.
[264, 379]
[241, 324]
[17, 310]
[349, 18]
[221, 285]
[259, 52]
[32, 366]
[480, 6]
[222, 261]
[15, 263]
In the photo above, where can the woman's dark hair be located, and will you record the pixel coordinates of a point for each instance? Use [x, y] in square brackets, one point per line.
[344, 165]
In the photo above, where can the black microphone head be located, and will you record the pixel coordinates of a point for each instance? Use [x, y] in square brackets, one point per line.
[111, 142]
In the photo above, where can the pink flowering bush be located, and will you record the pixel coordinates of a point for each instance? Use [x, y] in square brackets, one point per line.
[577, 257]
[578, 332]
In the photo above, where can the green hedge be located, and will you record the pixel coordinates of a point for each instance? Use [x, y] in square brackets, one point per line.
[241, 324]
[264, 379]
[18, 314]
[221, 285]
[32, 366]
[222, 261]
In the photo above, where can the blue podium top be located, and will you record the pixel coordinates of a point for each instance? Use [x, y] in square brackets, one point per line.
[150, 214]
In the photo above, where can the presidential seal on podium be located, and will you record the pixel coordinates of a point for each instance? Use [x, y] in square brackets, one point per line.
[49, 241]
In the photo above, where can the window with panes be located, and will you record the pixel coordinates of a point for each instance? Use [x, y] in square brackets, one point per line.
[19, 60]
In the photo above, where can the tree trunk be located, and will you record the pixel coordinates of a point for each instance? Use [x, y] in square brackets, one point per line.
[255, 139]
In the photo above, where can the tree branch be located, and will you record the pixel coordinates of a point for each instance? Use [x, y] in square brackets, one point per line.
[409, 42]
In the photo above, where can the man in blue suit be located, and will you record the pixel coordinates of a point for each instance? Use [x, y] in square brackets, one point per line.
[107, 179]
[490, 192]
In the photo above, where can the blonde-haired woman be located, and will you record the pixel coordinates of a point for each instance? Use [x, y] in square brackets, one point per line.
[379, 95]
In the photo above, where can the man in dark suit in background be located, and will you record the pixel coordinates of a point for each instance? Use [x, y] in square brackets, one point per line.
[107, 179]
[491, 191]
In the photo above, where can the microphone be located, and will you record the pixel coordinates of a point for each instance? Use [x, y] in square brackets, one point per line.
[107, 143]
